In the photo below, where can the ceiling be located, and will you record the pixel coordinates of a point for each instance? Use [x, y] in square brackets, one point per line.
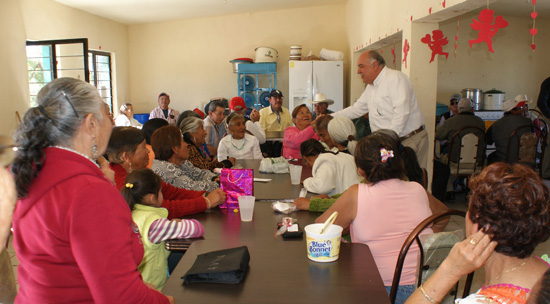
[148, 11]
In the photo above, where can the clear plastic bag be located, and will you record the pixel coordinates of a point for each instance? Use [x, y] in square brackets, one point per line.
[285, 208]
[274, 165]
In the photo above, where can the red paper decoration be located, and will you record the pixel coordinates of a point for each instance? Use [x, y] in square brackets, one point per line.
[393, 54]
[406, 48]
[486, 28]
[443, 3]
[436, 45]
[534, 30]
[456, 37]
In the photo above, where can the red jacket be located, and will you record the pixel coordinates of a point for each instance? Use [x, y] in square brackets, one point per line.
[75, 239]
[179, 202]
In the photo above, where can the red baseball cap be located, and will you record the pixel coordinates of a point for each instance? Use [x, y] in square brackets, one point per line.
[198, 111]
[237, 104]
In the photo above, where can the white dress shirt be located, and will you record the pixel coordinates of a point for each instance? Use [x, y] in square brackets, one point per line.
[256, 129]
[123, 121]
[247, 147]
[332, 174]
[390, 102]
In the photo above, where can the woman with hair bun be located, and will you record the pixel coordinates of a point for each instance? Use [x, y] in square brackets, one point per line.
[383, 211]
[73, 231]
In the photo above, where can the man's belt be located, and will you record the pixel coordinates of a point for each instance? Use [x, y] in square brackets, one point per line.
[413, 133]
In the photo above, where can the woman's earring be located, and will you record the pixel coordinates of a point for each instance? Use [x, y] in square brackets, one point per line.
[94, 149]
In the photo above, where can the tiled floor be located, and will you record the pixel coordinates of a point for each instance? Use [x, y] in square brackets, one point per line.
[456, 223]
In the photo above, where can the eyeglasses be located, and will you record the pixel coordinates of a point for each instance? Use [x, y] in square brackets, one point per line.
[453, 102]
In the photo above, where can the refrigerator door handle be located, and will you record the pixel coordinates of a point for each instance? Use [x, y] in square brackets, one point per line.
[309, 85]
[315, 89]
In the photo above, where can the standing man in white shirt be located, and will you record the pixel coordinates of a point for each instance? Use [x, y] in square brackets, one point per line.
[390, 100]
[252, 117]
[163, 111]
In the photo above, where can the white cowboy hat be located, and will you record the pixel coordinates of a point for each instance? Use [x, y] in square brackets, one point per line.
[320, 97]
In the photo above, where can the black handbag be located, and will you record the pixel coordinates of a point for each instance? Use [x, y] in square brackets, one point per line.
[226, 266]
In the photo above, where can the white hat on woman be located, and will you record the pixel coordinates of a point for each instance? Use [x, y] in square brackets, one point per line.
[342, 130]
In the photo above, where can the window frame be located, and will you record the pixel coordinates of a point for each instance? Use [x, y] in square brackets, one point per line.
[94, 53]
[53, 43]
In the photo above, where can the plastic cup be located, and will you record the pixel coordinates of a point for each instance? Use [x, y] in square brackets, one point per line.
[295, 174]
[246, 207]
[323, 247]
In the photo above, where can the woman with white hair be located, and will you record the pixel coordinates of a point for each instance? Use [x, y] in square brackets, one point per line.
[194, 134]
[126, 118]
[343, 133]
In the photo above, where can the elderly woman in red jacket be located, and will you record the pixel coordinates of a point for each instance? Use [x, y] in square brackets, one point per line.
[73, 231]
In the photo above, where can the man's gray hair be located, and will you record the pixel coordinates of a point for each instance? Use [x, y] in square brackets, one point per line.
[375, 56]
[217, 103]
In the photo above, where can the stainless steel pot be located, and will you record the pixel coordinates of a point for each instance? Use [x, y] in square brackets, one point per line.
[493, 100]
[476, 95]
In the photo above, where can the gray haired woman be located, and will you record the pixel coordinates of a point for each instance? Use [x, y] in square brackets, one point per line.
[73, 231]
[194, 134]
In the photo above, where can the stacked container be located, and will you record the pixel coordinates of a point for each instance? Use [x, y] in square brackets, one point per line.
[295, 52]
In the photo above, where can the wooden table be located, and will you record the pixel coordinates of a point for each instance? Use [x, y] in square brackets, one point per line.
[279, 188]
[279, 270]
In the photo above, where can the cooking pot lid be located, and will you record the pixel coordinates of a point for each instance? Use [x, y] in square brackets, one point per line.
[494, 91]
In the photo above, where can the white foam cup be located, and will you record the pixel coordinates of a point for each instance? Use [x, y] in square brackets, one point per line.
[295, 174]
[246, 207]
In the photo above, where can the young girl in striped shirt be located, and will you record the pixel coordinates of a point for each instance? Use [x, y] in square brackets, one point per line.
[142, 191]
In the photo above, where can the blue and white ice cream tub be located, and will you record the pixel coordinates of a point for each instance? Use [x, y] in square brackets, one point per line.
[323, 247]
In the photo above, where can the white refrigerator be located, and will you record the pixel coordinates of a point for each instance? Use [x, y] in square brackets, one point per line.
[306, 78]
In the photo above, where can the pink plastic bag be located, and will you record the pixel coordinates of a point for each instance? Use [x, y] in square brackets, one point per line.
[235, 183]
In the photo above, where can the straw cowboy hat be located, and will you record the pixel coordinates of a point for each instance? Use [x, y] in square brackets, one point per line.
[320, 97]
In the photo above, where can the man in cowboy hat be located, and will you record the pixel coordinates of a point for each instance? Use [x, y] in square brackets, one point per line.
[320, 105]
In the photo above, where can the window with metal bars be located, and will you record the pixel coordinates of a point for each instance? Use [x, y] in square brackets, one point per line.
[100, 75]
[51, 59]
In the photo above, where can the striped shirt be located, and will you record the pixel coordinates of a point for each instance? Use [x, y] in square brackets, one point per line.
[172, 115]
[164, 229]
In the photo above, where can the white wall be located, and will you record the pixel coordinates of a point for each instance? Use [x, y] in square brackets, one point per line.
[13, 63]
[189, 59]
[513, 68]
[47, 19]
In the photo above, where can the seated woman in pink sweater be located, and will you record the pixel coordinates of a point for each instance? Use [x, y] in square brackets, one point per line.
[302, 131]
[383, 211]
